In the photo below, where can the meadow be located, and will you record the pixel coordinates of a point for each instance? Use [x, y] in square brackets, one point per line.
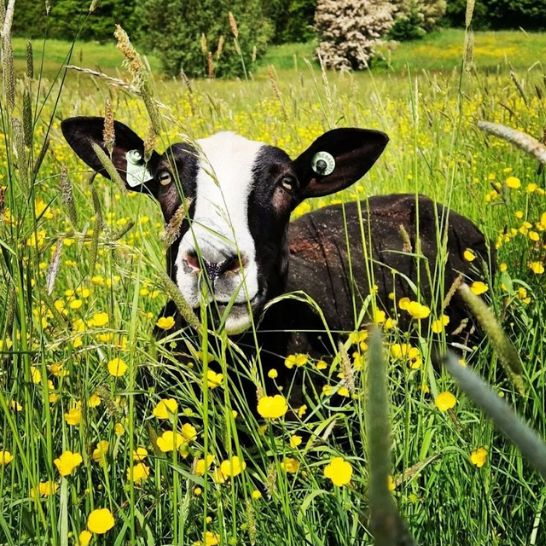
[82, 286]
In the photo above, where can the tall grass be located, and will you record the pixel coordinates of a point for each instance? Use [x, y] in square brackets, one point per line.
[82, 285]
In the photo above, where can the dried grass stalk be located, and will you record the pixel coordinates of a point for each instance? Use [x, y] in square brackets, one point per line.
[185, 310]
[53, 269]
[506, 351]
[40, 158]
[346, 368]
[30, 61]
[8, 19]
[172, 229]
[67, 197]
[522, 140]
[469, 12]
[109, 167]
[108, 133]
[140, 74]
[233, 25]
[27, 118]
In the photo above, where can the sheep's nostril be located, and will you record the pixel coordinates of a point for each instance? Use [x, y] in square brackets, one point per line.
[192, 260]
[234, 264]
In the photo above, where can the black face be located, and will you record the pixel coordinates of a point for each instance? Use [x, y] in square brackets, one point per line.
[241, 196]
[274, 195]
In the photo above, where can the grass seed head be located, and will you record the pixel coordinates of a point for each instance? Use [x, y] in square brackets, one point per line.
[108, 133]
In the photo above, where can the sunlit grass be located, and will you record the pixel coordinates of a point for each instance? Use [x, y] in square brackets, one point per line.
[70, 360]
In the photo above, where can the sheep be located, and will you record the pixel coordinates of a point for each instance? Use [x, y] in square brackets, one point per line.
[237, 237]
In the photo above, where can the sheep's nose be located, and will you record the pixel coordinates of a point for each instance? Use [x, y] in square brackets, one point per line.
[215, 269]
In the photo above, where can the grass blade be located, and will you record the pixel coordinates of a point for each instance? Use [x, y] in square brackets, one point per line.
[506, 420]
[387, 526]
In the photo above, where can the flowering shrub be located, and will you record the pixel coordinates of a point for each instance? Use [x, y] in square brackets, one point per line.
[350, 30]
[414, 18]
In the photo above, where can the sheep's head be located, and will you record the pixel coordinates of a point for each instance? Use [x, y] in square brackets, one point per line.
[231, 249]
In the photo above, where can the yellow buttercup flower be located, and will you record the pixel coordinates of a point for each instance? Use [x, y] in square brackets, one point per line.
[85, 538]
[272, 407]
[404, 351]
[469, 255]
[273, 373]
[48, 488]
[100, 521]
[391, 484]
[58, 370]
[295, 441]
[210, 539]
[232, 467]
[479, 287]
[445, 401]
[5, 457]
[100, 452]
[117, 367]
[74, 416]
[15, 405]
[339, 471]
[297, 360]
[138, 473]
[98, 320]
[119, 429]
[94, 400]
[417, 310]
[256, 494]
[343, 391]
[35, 374]
[165, 408]
[478, 457]
[202, 465]
[140, 454]
[189, 433]
[537, 267]
[170, 441]
[379, 316]
[67, 462]
[165, 323]
[214, 379]
[438, 325]
[321, 365]
[290, 465]
[513, 183]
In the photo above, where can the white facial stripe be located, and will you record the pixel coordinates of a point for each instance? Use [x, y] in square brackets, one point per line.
[220, 221]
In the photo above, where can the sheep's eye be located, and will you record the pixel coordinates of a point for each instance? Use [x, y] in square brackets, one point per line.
[289, 183]
[164, 178]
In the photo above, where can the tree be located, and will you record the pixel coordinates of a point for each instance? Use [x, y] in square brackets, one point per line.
[414, 18]
[68, 17]
[497, 14]
[350, 30]
[197, 37]
[292, 19]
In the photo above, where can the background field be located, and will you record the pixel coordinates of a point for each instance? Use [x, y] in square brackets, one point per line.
[55, 349]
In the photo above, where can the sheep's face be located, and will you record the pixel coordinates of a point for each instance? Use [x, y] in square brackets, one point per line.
[229, 253]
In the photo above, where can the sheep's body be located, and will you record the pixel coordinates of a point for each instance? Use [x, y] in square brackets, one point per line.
[237, 250]
[337, 253]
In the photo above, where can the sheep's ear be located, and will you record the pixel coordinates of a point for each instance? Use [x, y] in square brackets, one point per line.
[337, 159]
[127, 154]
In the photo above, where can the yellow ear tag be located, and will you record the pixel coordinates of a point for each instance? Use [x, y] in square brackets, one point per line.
[323, 163]
[137, 173]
